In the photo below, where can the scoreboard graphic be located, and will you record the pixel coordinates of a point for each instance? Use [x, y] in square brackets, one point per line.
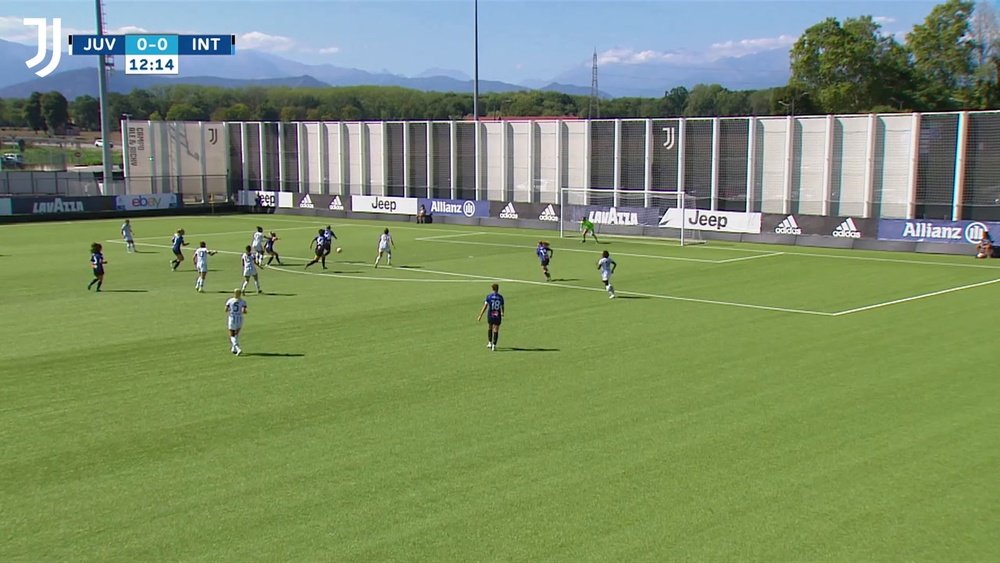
[152, 54]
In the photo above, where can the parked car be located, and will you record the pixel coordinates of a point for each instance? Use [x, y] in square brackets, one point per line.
[100, 143]
[12, 160]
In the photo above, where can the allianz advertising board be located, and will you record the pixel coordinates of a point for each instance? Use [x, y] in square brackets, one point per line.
[929, 230]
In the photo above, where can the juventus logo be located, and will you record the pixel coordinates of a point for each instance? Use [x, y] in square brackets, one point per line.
[213, 135]
[43, 47]
[671, 137]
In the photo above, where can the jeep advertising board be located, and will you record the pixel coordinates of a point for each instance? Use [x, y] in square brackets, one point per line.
[705, 220]
[383, 204]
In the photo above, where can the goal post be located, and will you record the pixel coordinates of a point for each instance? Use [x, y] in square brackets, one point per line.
[627, 214]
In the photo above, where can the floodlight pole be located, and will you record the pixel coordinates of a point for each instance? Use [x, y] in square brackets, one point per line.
[475, 66]
[102, 87]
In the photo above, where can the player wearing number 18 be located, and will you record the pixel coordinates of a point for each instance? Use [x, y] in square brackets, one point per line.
[493, 308]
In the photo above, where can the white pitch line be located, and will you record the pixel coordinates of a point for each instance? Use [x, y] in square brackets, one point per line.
[504, 245]
[744, 258]
[199, 235]
[914, 298]
[480, 278]
[439, 237]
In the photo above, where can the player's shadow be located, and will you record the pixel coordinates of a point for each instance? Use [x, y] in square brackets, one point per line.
[328, 271]
[270, 294]
[517, 349]
[565, 279]
[632, 297]
[145, 252]
[124, 291]
[272, 355]
[410, 267]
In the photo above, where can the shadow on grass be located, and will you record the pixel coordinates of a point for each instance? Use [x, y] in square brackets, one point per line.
[516, 349]
[631, 297]
[271, 294]
[124, 291]
[272, 355]
[565, 279]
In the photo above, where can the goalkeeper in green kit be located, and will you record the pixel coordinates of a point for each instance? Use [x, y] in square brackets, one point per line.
[587, 226]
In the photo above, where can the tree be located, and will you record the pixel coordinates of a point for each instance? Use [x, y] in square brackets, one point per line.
[849, 67]
[703, 101]
[55, 110]
[86, 112]
[942, 54]
[183, 112]
[32, 112]
[674, 102]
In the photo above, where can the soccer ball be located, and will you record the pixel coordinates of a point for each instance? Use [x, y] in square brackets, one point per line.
[339, 250]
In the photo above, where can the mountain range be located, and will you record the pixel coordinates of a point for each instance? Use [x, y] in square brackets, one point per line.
[257, 68]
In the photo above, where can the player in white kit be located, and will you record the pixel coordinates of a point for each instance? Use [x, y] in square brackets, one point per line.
[258, 246]
[249, 270]
[127, 236]
[236, 307]
[607, 267]
[385, 246]
[201, 265]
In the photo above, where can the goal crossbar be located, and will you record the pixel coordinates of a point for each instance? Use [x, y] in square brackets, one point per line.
[625, 213]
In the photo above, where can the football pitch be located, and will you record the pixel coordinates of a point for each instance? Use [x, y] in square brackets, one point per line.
[735, 402]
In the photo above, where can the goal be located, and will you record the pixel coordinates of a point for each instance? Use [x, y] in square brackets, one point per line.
[626, 213]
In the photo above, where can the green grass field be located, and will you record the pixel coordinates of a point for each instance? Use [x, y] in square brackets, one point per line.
[736, 402]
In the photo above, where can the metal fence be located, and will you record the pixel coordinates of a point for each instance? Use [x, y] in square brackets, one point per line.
[23, 182]
[940, 165]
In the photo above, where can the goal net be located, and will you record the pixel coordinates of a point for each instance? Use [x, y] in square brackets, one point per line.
[627, 213]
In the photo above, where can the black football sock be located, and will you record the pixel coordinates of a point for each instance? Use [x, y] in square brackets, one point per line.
[99, 284]
[496, 336]
[489, 335]
[91, 284]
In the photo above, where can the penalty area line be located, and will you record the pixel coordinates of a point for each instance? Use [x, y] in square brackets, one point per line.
[915, 298]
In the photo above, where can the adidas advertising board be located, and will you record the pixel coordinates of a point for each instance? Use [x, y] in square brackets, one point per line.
[456, 207]
[513, 211]
[319, 202]
[788, 226]
[704, 220]
[508, 211]
[816, 225]
[930, 230]
[384, 204]
[847, 228]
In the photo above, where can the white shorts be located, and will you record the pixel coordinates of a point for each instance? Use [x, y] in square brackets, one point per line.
[128, 239]
[605, 276]
[235, 324]
[258, 248]
[201, 268]
[385, 249]
[248, 273]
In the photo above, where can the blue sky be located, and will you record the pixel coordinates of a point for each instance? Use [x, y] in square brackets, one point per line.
[519, 39]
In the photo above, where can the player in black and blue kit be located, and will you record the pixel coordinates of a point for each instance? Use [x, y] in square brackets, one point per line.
[176, 245]
[97, 263]
[272, 254]
[494, 307]
[328, 236]
[544, 253]
[319, 246]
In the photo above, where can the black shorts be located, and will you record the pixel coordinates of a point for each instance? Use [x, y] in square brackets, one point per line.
[494, 320]
[320, 251]
[98, 272]
[179, 254]
[545, 263]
